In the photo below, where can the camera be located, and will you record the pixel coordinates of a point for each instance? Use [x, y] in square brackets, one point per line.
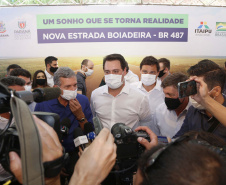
[128, 152]
[126, 141]
[9, 137]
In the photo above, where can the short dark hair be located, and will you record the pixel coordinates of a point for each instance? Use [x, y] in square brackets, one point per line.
[185, 163]
[215, 78]
[48, 60]
[173, 80]
[34, 83]
[20, 72]
[12, 80]
[84, 62]
[150, 60]
[224, 64]
[112, 57]
[12, 66]
[165, 62]
[202, 67]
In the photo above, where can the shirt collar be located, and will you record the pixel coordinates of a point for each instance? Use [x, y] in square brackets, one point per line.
[48, 75]
[82, 75]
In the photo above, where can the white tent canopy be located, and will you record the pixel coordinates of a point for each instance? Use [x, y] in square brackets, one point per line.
[209, 3]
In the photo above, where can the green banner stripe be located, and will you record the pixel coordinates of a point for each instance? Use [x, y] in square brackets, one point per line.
[103, 20]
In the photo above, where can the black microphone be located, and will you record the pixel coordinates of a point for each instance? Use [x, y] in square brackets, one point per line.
[89, 131]
[39, 95]
[80, 138]
[65, 126]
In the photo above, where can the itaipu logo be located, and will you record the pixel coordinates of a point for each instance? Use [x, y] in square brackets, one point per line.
[220, 29]
[203, 28]
[2, 27]
[22, 24]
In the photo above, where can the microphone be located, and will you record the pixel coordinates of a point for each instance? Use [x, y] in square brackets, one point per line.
[89, 130]
[65, 126]
[80, 139]
[97, 125]
[39, 95]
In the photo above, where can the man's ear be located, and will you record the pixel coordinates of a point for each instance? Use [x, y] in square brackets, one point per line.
[166, 70]
[217, 90]
[83, 68]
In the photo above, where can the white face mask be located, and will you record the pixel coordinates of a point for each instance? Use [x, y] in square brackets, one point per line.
[89, 72]
[69, 95]
[27, 87]
[148, 79]
[113, 81]
[195, 104]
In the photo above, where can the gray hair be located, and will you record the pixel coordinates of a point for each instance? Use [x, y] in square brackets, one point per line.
[64, 72]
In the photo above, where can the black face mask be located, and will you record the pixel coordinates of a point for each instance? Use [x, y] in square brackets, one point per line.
[53, 69]
[40, 81]
[161, 73]
[172, 103]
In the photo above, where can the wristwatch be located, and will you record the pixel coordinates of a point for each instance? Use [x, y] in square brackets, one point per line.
[82, 120]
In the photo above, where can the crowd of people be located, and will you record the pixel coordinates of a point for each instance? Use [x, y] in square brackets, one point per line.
[151, 104]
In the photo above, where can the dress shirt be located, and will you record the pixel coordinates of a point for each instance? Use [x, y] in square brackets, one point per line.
[130, 77]
[198, 120]
[130, 106]
[49, 79]
[166, 122]
[54, 106]
[156, 95]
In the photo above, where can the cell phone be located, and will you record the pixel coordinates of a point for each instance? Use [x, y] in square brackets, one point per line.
[162, 139]
[187, 88]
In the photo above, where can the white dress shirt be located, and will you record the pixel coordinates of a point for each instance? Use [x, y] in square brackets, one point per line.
[130, 77]
[49, 79]
[166, 122]
[130, 106]
[156, 95]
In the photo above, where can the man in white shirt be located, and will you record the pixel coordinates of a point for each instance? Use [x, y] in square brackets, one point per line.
[164, 65]
[51, 67]
[117, 101]
[169, 116]
[150, 84]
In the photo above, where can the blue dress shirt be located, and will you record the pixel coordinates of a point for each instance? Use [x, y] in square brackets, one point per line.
[54, 106]
[198, 120]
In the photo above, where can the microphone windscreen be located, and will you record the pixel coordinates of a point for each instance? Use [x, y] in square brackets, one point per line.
[78, 132]
[66, 122]
[51, 93]
[88, 127]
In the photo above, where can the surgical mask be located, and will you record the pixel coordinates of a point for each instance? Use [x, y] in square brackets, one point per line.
[27, 87]
[89, 72]
[195, 104]
[161, 73]
[68, 94]
[148, 79]
[113, 81]
[40, 81]
[172, 103]
[53, 69]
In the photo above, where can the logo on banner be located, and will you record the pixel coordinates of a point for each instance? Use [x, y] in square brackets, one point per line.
[3, 30]
[22, 33]
[2, 27]
[220, 29]
[21, 24]
[203, 29]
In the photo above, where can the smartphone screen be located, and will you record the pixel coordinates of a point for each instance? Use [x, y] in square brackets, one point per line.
[187, 88]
